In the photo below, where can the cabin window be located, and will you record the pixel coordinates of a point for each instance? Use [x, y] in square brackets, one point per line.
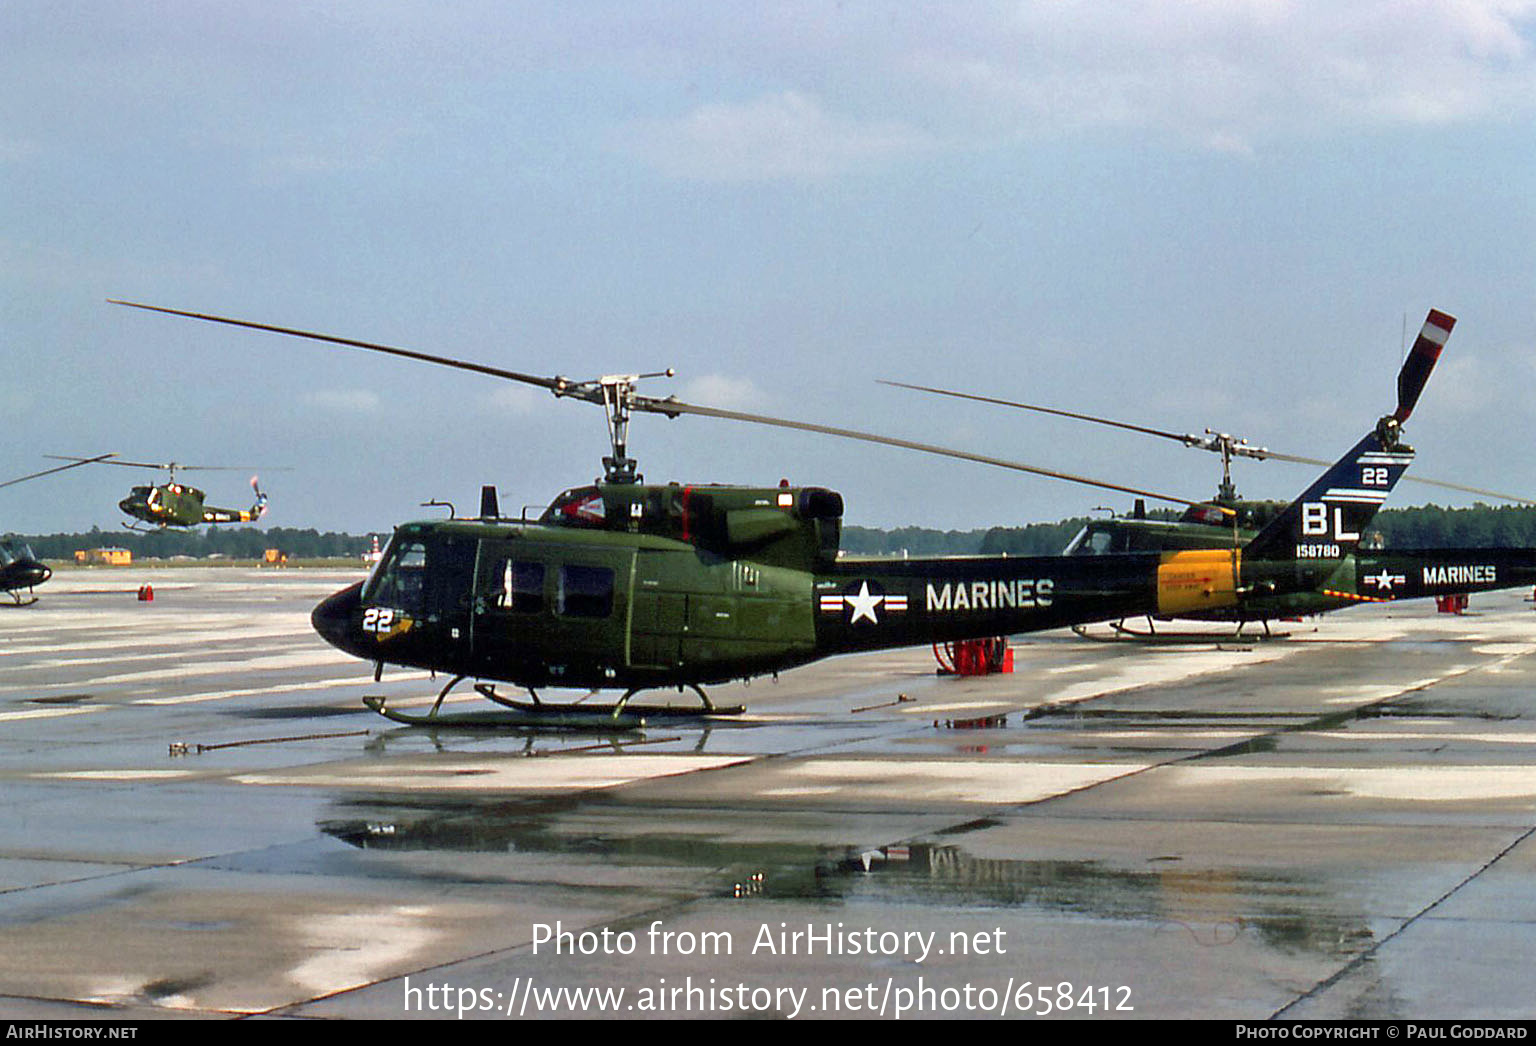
[522, 587]
[584, 592]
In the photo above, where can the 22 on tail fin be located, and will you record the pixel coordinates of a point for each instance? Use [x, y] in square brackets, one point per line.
[1327, 521]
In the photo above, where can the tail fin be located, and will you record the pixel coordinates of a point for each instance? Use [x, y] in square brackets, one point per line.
[1326, 522]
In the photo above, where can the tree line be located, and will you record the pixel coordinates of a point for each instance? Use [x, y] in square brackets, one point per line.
[228, 542]
[1428, 526]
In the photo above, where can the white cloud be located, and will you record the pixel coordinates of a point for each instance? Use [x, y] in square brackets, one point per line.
[784, 135]
[718, 390]
[517, 399]
[877, 86]
[343, 401]
[1224, 71]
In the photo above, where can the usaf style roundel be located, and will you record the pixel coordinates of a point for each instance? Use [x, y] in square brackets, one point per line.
[864, 601]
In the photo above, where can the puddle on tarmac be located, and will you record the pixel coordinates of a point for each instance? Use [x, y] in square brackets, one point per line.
[761, 858]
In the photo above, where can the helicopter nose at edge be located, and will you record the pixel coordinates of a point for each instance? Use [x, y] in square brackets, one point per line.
[333, 618]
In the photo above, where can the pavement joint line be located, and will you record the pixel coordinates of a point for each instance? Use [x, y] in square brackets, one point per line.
[1370, 953]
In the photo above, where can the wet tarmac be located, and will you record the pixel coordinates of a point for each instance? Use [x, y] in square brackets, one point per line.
[201, 819]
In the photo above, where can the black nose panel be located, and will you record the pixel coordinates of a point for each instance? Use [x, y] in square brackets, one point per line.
[336, 619]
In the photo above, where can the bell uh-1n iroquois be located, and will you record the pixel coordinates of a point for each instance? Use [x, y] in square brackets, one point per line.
[632, 586]
[174, 504]
[1370, 575]
[19, 568]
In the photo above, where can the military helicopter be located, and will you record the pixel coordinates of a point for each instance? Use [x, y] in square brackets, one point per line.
[173, 504]
[1376, 575]
[632, 586]
[19, 567]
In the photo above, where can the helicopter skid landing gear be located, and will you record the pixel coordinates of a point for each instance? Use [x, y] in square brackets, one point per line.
[17, 601]
[709, 706]
[1120, 632]
[619, 716]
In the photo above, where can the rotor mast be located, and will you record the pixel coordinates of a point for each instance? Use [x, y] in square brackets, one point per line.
[617, 393]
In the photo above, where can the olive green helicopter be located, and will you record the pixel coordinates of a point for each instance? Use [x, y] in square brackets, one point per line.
[173, 503]
[1371, 574]
[634, 586]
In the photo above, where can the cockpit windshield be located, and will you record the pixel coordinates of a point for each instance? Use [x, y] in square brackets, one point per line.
[399, 579]
[1096, 540]
[15, 553]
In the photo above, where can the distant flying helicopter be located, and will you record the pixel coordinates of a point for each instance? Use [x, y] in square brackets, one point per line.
[632, 586]
[19, 568]
[174, 504]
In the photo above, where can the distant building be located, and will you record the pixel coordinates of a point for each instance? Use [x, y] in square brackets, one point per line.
[110, 557]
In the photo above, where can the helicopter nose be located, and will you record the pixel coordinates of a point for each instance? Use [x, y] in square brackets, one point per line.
[334, 618]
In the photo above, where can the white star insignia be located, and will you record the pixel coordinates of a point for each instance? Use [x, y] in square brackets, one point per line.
[863, 604]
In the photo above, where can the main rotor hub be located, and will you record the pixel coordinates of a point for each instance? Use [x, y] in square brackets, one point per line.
[616, 393]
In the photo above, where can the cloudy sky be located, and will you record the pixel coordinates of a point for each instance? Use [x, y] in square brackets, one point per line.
[1219, 213]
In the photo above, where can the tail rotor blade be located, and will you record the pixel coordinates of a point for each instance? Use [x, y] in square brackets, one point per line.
[1421, 361]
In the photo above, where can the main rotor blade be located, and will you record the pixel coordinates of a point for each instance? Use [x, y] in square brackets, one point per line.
[1468, 490]
[169, 465]
[560, 386]
[669, 407]
[74, 463]
[1421, 360]
[1177, 437]
[1411, 380]
[672, 408]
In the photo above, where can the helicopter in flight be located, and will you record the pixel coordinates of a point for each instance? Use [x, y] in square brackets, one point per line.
[1374, 575]
[19, 567]
[632, 586]
[174, 504]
